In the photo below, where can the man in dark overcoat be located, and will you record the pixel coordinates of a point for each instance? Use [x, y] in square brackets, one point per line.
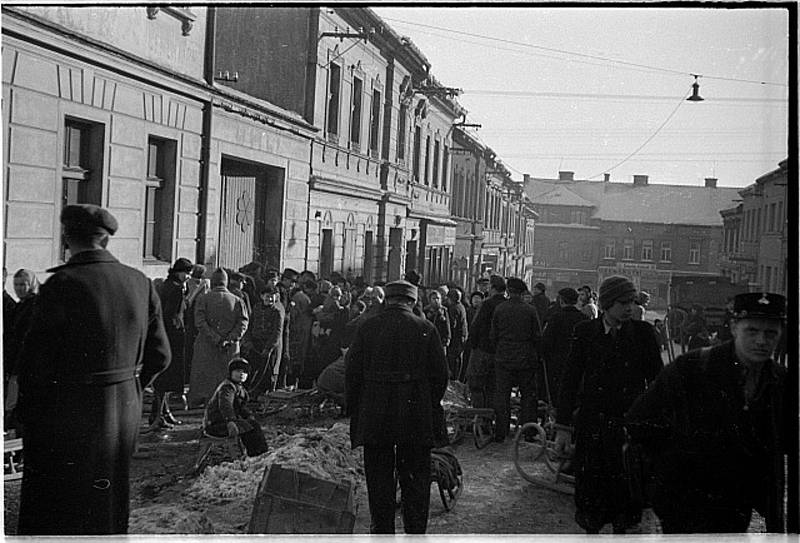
[612, 361]
[173, 308]
[716, 423]
[515, 332]
[480, 368]
[556, 342]
[395, 378]
[96, 341]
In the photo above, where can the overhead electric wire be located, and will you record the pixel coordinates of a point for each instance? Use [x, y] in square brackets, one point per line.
[585, 55]
[526, 94]
[648, 140]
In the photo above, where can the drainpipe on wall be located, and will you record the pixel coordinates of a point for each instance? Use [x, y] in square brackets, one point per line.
[308, 203]
[205, 146]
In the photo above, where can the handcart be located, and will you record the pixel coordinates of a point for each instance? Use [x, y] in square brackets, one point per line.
[476, 420]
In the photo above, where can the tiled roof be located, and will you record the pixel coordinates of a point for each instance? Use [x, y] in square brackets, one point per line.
[562, 196]
[652, 203]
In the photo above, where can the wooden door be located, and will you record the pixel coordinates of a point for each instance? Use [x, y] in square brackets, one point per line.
[237, 221]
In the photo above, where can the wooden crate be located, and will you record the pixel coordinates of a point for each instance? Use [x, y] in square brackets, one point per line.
[291, 502]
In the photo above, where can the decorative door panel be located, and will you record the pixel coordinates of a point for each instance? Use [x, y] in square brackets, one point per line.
[237, 221]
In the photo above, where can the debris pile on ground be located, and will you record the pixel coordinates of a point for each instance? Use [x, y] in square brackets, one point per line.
[320, 452]
[168, 519]
[455, 395]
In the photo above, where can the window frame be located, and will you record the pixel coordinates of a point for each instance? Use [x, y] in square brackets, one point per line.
[356, 113]
[628, 249]
[665, 247]
[333, 105]
[647, 245]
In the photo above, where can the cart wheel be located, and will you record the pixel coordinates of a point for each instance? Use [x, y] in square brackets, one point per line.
[482, 431]
[450, 495]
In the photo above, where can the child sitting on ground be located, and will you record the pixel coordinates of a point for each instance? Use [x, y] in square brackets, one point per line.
[227, 414]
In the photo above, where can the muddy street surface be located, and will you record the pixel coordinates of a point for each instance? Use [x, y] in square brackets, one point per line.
[166, 497]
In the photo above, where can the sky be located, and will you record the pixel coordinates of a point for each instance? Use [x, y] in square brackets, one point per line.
[602, 89]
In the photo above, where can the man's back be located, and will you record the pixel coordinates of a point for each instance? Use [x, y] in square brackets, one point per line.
[515, 330]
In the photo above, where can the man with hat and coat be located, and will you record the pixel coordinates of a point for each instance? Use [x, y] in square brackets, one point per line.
[96, 340]
[395, 378]
[612, 361]
[173, 307]
[716, 423]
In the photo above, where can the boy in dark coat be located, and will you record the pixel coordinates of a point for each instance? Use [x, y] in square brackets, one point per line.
[395, 378]
[716, 422]
[227, 414]
[613, 359]
[97, 326]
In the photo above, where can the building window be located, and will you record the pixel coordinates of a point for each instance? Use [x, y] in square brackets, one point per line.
[445, 164]
[694, 252]
[81, 173]
[417, 150]
[375, 123]
[355, 114]
[779, 217]
[773, 224]
[647, 250]
[666, 251]
[159, 198]
[426, 173]
[401, 133]
[334, 92]
[586, 254]
[577, 217]
[436, 164]
[563, 251]
[609, 249]
[627, 249]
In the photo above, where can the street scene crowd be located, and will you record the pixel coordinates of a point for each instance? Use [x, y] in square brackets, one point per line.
[700, 440]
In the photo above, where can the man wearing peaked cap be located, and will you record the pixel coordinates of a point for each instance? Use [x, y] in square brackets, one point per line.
[96, 330]
[716, 424]
[395, 378]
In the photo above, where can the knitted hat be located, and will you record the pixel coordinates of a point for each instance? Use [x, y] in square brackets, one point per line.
[614, 287]
[401, 288]
[219, 278]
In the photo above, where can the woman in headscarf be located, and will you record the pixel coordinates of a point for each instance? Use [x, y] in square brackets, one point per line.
[173, 307]
[26, 287]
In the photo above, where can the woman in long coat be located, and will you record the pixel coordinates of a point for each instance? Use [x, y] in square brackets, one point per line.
[221, 322]
[173, 307]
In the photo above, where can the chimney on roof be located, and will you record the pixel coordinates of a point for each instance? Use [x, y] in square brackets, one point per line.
[566, 176]
[639, 180]
[711, 182]
[526, 177]
[606, 177]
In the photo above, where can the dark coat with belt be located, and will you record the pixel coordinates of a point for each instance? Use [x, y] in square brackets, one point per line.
[710, 447]
[173, 308]
[603, 377]
[96, 326]
[395, 378]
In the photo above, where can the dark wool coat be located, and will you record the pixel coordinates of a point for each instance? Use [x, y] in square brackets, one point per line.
[440, 318]
[515, 334]
[97, 324]
[481, 327]
[459, 326]
[603, 377]
[173, 308]
[228, 404]
[710, 449]
[556, 342]
[395, 378]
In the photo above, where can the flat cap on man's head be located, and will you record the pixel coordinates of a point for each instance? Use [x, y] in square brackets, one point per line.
[290, 274]
[401, 288]
[541, 286]
[568, 295]
[88, 219]
[498, 283]
[413, 277]
[517, 285]
[759, 305]
[182, 265]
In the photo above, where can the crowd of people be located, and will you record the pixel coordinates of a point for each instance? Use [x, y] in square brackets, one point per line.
[79, 349]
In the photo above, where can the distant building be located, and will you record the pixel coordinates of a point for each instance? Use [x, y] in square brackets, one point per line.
[755, 247]
[588, 230]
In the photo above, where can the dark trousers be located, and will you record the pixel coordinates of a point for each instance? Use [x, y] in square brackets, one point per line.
[412, 464]
[505, 378]
[480, 378]
[249, 432]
